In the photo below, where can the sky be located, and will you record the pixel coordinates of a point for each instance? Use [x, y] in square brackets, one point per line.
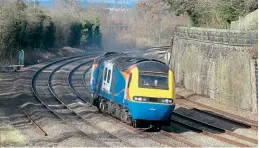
[129, 2]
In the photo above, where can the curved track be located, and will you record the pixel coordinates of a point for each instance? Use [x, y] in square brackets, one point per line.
[167, 135]
[48, 85]
[45, 96]
[67, 97]
[199, 130]
[62, 88]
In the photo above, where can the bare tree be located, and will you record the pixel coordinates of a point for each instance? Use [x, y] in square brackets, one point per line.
[149, 23]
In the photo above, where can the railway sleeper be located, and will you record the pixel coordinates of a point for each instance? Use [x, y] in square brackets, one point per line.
[120, 112]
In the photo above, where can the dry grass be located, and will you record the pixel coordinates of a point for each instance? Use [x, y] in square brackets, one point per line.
[10, 136]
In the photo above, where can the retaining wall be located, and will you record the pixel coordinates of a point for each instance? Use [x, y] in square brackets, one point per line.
[216, 63]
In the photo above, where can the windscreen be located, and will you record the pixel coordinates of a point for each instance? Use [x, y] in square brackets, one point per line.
[153, 80]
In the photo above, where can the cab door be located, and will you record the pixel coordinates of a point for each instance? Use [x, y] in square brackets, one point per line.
[107, 77]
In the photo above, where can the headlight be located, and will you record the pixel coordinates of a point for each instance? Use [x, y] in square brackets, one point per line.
[144, 99]
[155, 100]
[168, 101]
[139, 99]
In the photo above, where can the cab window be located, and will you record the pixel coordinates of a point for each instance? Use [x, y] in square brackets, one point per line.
[153, 80]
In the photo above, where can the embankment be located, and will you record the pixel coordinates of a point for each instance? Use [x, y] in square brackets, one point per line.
[217, 63]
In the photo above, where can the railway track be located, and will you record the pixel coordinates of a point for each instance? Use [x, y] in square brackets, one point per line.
[210, 133]
[46, 98]
[227, 116]
[63, 110]
[52, 81]
[213, 113]
[56, 106]
[66, 99]
[170, 136]
[86, 88]
[212, 130]
[37, 125]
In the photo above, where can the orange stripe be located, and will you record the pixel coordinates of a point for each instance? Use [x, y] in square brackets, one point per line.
[130, 69]
[129, 72]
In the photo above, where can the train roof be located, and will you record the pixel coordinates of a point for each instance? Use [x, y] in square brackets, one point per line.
[123, 61]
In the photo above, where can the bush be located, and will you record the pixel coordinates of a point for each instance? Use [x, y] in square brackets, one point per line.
[217, 14]
[75, 34]
[29, 28]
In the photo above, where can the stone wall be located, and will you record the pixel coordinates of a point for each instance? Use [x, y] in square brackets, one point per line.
[216, 63]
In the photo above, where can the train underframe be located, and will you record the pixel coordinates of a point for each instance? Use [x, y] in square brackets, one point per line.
[104, 105]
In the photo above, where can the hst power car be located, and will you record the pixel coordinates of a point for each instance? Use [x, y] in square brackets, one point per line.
[138, 91]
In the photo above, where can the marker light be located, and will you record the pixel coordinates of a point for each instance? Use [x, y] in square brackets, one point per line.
[156, 100]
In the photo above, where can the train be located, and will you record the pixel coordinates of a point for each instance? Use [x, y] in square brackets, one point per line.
[136, 90]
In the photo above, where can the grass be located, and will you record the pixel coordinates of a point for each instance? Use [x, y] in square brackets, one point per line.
[10, 136]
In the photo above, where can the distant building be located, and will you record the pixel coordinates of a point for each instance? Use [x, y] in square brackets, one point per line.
[117, 9]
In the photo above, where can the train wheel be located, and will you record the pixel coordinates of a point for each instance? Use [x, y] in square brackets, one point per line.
[93, 99]
[122, 117]
[103, 107]
[99, 105]
[109, 108]
[135, 123]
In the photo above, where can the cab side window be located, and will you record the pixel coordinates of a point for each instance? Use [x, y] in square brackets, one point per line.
[105, 74]
[109, 76]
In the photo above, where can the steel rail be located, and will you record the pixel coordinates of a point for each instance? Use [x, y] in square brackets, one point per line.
[223, 118]
[69, 80]
[56, 97]
[200, 130]
[170, 135]
[82, 117]
[177, 138]
[38, 97]
[33, 80]
[217, 128]
[40, 129]
[145, 134]
[251, 122]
